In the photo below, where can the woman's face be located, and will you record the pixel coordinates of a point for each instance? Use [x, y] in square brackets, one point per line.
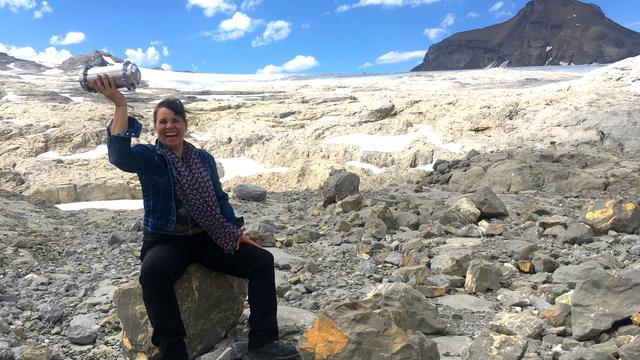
[170, 129]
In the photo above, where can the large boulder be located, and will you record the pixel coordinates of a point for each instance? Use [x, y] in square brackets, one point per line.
[602, 299]
[339, 185]
[389, 323]
[613, 214]
[210, 304]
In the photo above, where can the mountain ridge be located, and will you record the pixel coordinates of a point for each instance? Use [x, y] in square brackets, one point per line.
[544, 32]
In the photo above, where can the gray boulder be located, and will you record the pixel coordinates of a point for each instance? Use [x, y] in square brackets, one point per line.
[210, 305]
[249, 192]
[602, 299]
[339, 185]
[387, 324]
[489, 204]
[490, 345]
[83, 329]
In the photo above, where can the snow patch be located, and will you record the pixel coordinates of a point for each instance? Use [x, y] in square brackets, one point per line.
[242, 166]
[110, 204]
[374, 169]
[98, 152]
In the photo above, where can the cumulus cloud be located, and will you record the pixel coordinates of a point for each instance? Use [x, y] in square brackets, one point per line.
[72, 37]
[393, 57]
[248, 5]
[50, 55]
[15, 5]
[149, 57]
[365, 65]
[384, 3]
[297, 64]
[166, 67]
[211, 7]
[472, 15]
[435, 33]
[497, 6]
[235, 27]
[275, 31]
[44, 8]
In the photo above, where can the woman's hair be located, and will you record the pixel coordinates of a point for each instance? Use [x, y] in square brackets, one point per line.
[173, 104]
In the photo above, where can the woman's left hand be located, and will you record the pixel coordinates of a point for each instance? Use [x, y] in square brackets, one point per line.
[245, 239]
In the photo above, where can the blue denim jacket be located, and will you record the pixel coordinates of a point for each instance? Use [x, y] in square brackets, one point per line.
[158, 178]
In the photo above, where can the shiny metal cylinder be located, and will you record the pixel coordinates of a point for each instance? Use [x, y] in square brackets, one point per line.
[127, 75]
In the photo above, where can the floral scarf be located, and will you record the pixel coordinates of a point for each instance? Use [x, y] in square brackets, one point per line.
[195, 189]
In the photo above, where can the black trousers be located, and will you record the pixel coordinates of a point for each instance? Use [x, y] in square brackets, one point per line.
[165, 259]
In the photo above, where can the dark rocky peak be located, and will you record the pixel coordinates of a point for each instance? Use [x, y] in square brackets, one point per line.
[94, 58]
[544, 32]
[19, 65]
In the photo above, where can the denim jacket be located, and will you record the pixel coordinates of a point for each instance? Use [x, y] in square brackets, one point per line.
[158, 178]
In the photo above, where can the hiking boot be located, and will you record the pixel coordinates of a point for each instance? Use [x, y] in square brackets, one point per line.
[274, 351]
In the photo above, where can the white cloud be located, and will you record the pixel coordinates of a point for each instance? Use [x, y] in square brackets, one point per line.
[44, 8]
[393, 57]
[297, 64]
[270, 69]
[235, 27]
[300, 63]
[275, 31]
[166, 67]
[143, 58]
[248, 5]
[497, 6]
[365, 65]
[504, 13]
[165, 51]
[72, 37]
[15, 5]
[385, 3]
[434, 33]
[155, 42]
[211, 7]
[448, 20]
[472, 15]
[49, 55]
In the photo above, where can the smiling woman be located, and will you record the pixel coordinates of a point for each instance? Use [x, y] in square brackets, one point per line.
[170, 121]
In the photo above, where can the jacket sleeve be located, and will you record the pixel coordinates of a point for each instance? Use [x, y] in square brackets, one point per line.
[121, 154]
[223, 198]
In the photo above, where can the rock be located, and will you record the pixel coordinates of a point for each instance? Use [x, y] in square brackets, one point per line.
[451, 264]
[523, 324]
[543, 263]
[50, 313]
[464, 212]
[339, 185]
[490, 345]
[83, 329]
[451, 345]
[387, 324]
[630, 351]
[602, 299]
[350, 203]
[573, 274]
[489, 204]
[382, 212]
[586, 354]
[249, 192]
[36, 353]
[482, 276]
[614, 214]
[210, 305]
[577, 233]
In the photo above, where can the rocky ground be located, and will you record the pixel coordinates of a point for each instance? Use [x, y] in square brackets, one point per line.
[545, 269]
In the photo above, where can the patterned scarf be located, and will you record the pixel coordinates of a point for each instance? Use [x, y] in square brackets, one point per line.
[195, 189]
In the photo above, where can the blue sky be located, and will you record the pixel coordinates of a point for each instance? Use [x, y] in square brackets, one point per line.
[251, 36]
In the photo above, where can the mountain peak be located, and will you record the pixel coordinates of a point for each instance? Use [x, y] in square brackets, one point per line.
[544, 32]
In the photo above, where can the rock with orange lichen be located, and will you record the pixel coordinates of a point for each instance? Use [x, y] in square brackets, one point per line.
[389, 323]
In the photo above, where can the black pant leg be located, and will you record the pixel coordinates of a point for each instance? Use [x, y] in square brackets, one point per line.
[162, 266]
[257, 266]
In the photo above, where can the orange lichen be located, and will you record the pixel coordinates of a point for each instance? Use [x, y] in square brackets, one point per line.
[324, 339]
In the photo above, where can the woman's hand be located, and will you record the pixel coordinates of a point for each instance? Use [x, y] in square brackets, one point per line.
[245, 239]
[106, 85]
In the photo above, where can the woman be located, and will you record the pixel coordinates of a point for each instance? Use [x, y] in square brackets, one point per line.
[188, 219]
